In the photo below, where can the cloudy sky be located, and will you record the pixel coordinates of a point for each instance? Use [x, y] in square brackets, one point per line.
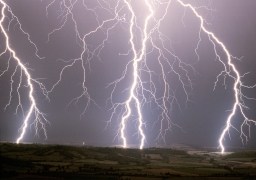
[56, 32]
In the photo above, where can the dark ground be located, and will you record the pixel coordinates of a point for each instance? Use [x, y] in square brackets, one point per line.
[35, 161]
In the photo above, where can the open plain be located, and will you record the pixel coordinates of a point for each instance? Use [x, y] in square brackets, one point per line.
[36, 161]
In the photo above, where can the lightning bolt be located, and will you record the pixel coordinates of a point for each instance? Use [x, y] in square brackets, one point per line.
[147, 44]
[33, 109]
[139, 94]
[140, 88]
[136, 77]
[231, 71]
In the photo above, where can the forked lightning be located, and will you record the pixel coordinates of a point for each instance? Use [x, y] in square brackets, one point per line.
[33, 109]
[145, 39]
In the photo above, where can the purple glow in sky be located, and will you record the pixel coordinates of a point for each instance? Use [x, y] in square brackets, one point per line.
[81, 57]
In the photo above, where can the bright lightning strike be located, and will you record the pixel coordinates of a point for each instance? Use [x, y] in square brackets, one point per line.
[152, 61]
[149, 38]
[140, 91]
[136, 78]
[229, 68]
[39, 116]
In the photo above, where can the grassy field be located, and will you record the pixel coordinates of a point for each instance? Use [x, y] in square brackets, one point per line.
[35, 161]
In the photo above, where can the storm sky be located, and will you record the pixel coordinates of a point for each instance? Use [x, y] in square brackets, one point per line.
[201, 118]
